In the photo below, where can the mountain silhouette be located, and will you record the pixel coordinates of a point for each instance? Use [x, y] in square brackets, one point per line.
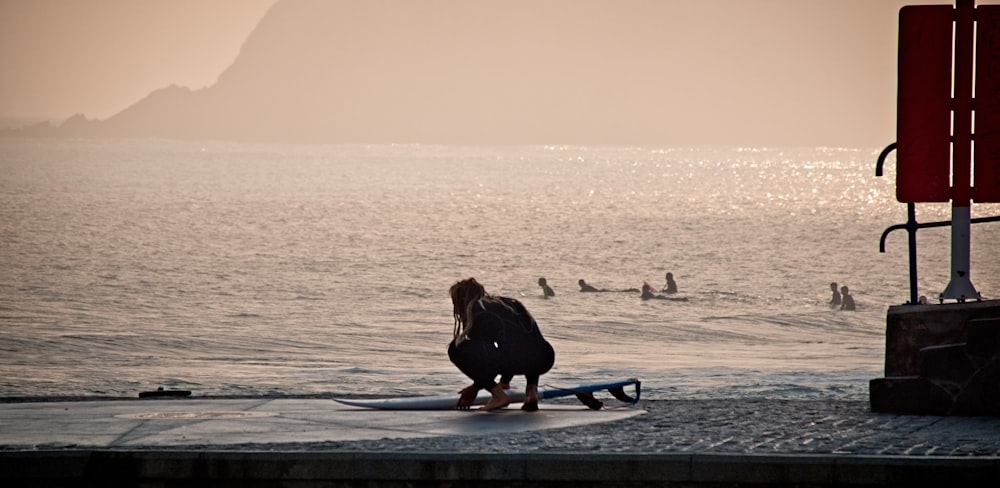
[447, 72]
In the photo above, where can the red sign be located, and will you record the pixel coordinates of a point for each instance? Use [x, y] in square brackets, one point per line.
[923, 117]
[986, 184]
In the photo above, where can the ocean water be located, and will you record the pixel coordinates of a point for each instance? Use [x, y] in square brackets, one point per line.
[239, 269]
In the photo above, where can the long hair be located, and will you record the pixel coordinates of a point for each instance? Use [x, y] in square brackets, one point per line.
[464, 295]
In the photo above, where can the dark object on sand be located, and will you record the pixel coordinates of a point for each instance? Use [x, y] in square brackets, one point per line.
[160, 392]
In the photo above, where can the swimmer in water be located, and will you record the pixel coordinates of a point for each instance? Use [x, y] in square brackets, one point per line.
[546, 289]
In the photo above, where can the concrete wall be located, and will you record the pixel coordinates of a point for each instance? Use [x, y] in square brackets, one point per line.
[456, 470]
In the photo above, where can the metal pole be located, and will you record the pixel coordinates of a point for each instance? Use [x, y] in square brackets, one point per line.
[911, 228]
[960, 288]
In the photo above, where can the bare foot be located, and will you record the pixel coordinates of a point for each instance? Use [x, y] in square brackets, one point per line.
[499, 400]
[531, 399]
[467, 397]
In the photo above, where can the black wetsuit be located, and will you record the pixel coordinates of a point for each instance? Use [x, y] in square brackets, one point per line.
[503, 341]
[671, 286]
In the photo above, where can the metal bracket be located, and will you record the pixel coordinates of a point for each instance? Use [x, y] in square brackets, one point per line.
[911, 226]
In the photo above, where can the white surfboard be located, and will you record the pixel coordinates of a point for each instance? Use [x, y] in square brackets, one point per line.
[447, 402]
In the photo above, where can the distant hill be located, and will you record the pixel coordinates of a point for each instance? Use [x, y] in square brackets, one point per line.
[461, 72]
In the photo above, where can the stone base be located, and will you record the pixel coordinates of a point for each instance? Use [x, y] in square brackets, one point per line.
[910, 328]
[908, 395]
[941, 360]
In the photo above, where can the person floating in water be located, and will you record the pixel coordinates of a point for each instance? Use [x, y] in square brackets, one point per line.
[546, 289]
[671, 285]
[495, 335]
[835, 301]
[586, 287]
[649, 293]
[848, 300]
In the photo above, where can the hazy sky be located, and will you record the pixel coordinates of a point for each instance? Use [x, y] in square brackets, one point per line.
[97, 57]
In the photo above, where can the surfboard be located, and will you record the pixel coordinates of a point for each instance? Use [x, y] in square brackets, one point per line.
[447, 402]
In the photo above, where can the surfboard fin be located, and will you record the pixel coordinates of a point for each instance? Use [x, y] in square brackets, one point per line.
[619, 393]
[588, 399]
